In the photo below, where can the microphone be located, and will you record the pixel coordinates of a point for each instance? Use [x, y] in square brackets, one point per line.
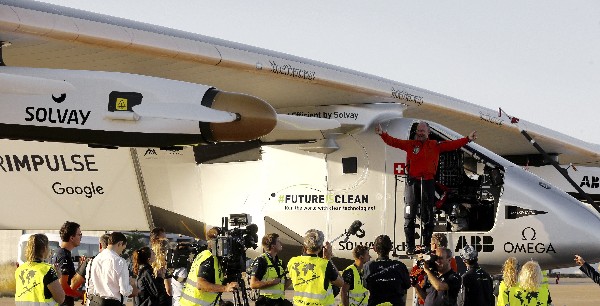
[354, 227]
[252, 229]
[352, 230]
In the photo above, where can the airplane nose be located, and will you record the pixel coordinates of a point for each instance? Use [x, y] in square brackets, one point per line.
[587, 239]
[577, 230]
[546, 224]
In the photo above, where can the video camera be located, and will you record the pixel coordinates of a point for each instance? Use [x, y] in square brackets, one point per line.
[428, 257]
[231, 244]
[183, 254]
[430, 260]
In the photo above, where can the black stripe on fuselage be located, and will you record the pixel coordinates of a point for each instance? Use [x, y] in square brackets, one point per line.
[595, 197]
[97, 137]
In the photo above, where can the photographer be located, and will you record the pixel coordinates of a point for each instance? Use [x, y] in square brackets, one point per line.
[441, 282]
[312, 276]
[438, 240]
[386, 279]
[268, 273]
[205, 280]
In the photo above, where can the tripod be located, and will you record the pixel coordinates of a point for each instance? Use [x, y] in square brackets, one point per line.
[240, 296]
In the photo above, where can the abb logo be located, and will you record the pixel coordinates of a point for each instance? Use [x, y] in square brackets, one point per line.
[483, 244]
[590, 182]
[399, 168]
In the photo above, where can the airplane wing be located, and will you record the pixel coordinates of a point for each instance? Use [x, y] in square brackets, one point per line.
[48, 36]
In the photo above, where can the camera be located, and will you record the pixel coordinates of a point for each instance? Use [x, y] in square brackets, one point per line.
[183, 254]
[418, 270]
[231, 244]
[430, 260]
[181, 257]
[230, 247]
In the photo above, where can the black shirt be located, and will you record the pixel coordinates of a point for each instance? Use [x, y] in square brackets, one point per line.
[260, 265]
[65, 262]
[67, 267]
[207, 269]
[478, 287]
[348, 277]
[387, 280]
[82, 267]
[152, 290]
[442, 298]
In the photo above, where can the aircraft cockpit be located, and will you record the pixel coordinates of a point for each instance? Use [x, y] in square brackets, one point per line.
[468, 187]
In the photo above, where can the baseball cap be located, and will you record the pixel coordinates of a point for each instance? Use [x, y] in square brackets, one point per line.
[468, 252]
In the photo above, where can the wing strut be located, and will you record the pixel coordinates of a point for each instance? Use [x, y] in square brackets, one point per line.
[552, 161]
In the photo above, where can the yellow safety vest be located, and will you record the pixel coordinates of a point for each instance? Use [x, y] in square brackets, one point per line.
[359, 295]
[308, 277]
[190, 294]
[275, 291]
[30, 284]
[521, 297]
[545, 280]
[503, 294]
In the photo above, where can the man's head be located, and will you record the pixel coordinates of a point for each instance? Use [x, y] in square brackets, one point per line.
[361, 253]
[212, 233]
[438, 240]
[117, 242]
[383, 245]
[443, 261]
[313, 241]
[422, 133]
[211, 236]
[270, 242]
[71, 233]
[103, 241]
[468, 255]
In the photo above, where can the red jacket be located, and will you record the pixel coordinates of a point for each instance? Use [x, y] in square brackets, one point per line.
[422, 156]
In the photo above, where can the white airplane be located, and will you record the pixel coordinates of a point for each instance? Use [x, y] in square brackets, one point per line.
[287, 140]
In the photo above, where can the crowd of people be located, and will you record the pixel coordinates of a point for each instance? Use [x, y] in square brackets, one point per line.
[313, 277]
[108, 279]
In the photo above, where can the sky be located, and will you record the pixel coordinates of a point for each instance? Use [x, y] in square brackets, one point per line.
[538, 60]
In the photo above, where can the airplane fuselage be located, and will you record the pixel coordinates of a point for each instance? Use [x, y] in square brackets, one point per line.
[493, 204]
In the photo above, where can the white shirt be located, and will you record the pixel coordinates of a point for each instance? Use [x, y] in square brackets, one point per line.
[109, 276]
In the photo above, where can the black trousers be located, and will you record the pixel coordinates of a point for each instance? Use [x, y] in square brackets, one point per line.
[98, 301]
[265, 301]
[415, 197]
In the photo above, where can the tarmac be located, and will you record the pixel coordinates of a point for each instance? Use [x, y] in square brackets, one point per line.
[568, 292]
